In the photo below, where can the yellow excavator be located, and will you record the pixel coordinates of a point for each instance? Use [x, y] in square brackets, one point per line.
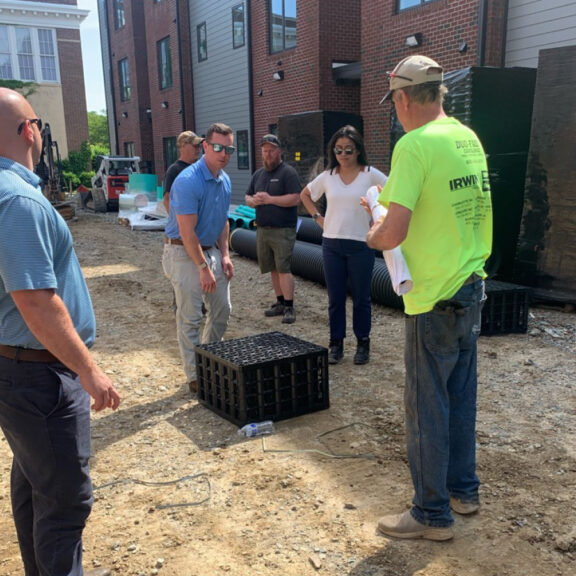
[48, 169]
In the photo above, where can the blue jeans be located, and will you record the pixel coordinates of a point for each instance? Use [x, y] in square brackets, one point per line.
[45, 416]
[440, 404]
[348, 263]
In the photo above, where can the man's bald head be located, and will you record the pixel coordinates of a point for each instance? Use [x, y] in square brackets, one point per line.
[25, 147]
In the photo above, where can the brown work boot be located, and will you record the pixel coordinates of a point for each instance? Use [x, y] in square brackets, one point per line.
[277, 309]
[289, 315]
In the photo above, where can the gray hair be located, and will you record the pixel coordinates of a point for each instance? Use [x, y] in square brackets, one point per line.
[427, 93]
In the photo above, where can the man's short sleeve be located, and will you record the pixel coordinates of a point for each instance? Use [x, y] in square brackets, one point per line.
[27, 238]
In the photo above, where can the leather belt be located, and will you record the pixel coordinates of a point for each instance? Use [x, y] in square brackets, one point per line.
[27, 354]
[178, 242]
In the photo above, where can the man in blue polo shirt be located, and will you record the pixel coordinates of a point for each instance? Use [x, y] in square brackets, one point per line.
[196, 258]
[47, 373]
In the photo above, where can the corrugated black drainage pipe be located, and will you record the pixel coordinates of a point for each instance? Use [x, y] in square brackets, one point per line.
[307, 263]
[309, 231]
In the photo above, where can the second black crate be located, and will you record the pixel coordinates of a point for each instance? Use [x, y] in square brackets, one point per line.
[505, 310]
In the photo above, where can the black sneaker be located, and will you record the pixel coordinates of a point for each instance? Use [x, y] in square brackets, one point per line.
[289, 315]
[277, 309]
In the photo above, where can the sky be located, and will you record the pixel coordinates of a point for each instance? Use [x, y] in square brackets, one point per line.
[92, 57]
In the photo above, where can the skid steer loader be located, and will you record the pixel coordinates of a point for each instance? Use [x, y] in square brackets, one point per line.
[109, 181]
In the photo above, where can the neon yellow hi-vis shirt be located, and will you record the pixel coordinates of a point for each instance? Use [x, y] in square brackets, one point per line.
[439, 172]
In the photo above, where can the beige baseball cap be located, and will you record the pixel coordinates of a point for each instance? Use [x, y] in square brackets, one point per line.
[412, 71]
[189, 137]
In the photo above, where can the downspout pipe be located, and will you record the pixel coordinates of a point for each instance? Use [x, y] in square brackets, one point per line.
[252, 136]
[180, 66]
[482, 25]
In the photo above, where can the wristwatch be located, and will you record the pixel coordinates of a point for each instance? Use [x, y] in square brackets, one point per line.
[316, 216]
[203, 266]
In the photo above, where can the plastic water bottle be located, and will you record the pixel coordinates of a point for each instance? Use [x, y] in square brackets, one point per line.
[257, 429]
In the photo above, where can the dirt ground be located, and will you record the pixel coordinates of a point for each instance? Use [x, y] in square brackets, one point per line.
[179, 493]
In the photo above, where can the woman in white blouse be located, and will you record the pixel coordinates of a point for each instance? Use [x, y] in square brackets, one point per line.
[348, 261]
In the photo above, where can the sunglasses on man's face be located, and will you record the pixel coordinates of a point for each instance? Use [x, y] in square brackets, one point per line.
[348, 151]
[219, 147]
[32, 121]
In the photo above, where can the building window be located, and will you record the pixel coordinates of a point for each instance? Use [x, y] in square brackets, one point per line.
[242, 149]
[24, 52]
[405, 4]
[129, 149]
[238, 26]
[47, 55]
[124, 76]
[282, 25]
[5, 55]
[202, 42]
[170, 151]
[164, 63]
[28, 54]
[119, 14]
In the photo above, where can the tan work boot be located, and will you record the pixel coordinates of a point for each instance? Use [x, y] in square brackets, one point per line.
[464, 507]
[405, 526]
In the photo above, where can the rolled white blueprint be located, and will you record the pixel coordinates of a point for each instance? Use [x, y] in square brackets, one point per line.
[395, 262]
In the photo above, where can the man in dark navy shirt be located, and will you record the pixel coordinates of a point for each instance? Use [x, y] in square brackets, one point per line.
[275, 193]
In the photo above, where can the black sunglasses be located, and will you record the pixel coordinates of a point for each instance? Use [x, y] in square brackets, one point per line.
[219, 147]
[32, 121]
[348, 151]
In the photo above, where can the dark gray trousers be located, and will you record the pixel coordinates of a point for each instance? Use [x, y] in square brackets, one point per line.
[45, 416]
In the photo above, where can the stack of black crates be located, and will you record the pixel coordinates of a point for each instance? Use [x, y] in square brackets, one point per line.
[270, 376]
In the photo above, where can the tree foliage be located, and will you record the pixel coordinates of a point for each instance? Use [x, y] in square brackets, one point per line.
[80, 165]
[98, 129]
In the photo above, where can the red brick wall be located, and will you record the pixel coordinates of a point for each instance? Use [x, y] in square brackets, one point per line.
[166, 122]
[130, 42]
[326, 31]
[73, 89]
[444, 25]
[147, 23]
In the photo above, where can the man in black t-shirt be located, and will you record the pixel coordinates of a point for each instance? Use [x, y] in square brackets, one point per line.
[274, 192]
[188, 152]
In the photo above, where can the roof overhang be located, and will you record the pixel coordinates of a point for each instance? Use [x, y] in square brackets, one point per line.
[41, 14]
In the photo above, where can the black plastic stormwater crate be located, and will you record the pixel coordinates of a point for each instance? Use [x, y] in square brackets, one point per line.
[505, 310]
[270, 376]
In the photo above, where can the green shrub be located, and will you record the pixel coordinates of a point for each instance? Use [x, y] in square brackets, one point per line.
[70, 179]
[86, 178]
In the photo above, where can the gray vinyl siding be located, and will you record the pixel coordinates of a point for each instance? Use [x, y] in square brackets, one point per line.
[222, 81]
[534, 25]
